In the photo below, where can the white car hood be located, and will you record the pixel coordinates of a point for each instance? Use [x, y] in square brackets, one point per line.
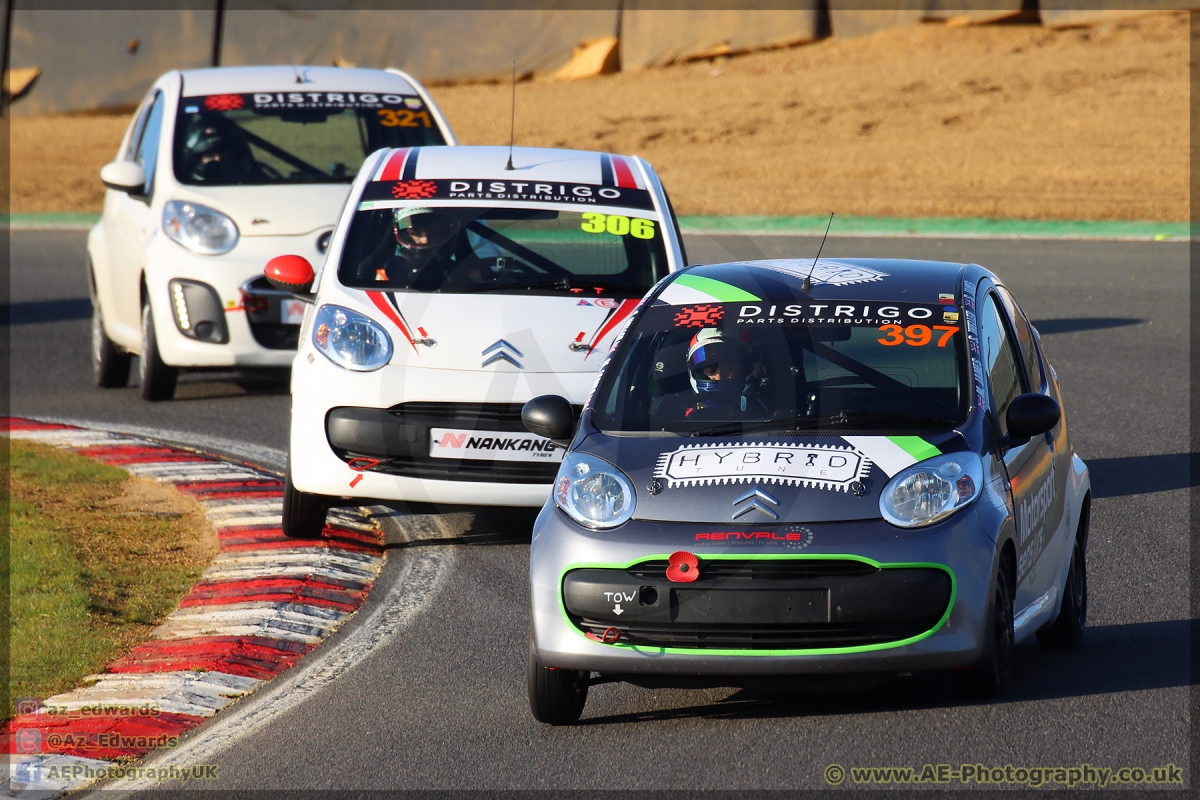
[534, 332]
[286, 210]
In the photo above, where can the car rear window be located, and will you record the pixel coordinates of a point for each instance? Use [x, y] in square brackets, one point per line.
[261, 138]
[835, 366]
[463, 249]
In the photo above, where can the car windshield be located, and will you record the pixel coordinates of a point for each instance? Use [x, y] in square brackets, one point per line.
[833, 366]
[506, 250]
[312, 137]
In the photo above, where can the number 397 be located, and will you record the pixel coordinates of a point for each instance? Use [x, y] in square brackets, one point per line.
[916, 335]
[618, 225]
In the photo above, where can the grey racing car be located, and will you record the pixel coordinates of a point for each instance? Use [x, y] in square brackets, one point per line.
[808, 467]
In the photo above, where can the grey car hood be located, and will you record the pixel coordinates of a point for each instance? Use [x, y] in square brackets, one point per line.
[762, 480]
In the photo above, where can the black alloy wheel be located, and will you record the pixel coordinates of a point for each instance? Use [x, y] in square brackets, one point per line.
[990, 676]
[303, 513]
[556, 696]
[1067, 628]
[110, 364]
[158, 380]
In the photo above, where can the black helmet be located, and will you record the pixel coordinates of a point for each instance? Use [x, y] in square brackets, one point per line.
[423, 230]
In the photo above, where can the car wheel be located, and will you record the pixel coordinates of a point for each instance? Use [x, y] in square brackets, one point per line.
[556, 696]
[110, 364]
[303, 513]
[1067, 628]
[990, 675]
[158, 380]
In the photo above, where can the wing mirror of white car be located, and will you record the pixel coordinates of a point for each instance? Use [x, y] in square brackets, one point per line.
[291, 274]
[550, 416]
[124, 176]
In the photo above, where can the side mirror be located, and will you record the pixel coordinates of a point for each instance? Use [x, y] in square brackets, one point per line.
[1031, 415]
[291, 274]
[124, 176]
[550, 416]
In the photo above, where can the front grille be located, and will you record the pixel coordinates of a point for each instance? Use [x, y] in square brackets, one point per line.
[400, 441]
[757, 637]
[458, 413]
[792, 603]
[263, 305]
[275, 335]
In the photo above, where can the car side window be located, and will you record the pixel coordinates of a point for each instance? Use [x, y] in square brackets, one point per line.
[999, 360]
[146, 154]
[1025, 340]
[135, 136]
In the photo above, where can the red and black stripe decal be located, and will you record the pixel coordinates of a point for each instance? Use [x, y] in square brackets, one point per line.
[606, 170]
[410, 165]
[624, 173]
[392, 312]
[614, 318]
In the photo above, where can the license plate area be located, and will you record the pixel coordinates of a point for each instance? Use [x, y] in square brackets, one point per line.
[477, 445]
[751, 606]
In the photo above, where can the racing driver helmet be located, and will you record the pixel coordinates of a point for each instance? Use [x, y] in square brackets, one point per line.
[216, 156]
[422, 230]
[721, 365]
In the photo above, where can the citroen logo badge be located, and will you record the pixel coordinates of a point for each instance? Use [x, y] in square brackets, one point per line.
[758, 500]
[501, 350]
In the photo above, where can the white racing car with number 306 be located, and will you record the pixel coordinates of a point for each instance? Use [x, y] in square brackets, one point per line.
[460, 283]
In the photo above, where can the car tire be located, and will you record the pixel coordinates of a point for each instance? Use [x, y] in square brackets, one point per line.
[556, 696]
[1067, 628]
[990, 675]
[158, 380]
[303, 513]
[110, 364]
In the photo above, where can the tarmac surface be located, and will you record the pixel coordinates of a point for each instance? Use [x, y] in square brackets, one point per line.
[440, 702]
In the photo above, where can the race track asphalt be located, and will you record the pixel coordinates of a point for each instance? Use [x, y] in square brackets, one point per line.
[441, 703]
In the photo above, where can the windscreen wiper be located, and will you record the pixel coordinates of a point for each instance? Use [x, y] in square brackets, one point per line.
[728, 428]
[557, 283]
[859, 419]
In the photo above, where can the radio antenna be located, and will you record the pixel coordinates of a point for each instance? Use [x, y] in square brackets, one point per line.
[512, 125]
[806, 287]
[295, 71]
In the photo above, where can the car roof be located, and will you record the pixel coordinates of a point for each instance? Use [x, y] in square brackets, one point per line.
[530, 165]
[872, 279]
[219, 80]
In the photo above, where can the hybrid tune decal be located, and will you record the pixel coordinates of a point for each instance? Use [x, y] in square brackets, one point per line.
[817, 466]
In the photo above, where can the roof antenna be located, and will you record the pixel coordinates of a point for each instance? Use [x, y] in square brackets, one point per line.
[512, 126]
[806, 287]
[294, 70]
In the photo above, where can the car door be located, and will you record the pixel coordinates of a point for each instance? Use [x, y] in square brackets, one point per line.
[131, 222]
[1037, 500]
[1058, 545]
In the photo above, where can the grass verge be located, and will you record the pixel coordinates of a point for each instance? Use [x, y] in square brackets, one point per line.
[97, 559]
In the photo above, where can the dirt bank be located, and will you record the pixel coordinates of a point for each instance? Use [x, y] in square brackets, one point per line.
[991, 121]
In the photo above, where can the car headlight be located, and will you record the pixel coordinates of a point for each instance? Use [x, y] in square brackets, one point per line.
[931, 490]
[593, 492]
[199, 228]
[350, 339]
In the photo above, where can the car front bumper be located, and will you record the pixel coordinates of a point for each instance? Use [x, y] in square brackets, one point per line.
[957, 548]
[319, 386]
[225, 275]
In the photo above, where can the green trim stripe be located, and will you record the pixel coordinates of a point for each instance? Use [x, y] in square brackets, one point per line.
[815, 651]
[51, 221]
[915, 446]
[939, 227]
[725, 292]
